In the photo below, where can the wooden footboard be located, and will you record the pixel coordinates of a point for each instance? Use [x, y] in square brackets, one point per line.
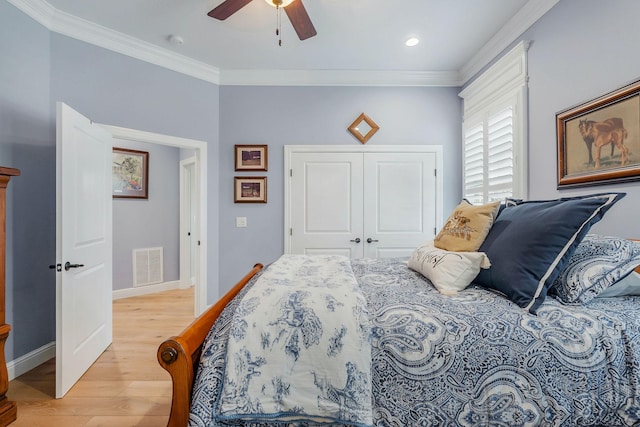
[179, 355]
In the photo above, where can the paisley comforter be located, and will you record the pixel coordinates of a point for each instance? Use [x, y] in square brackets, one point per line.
[474, 359]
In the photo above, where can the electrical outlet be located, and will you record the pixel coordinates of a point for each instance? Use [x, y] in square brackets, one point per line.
[241, 221]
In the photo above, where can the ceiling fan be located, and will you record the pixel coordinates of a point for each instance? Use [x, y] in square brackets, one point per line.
[294, 9]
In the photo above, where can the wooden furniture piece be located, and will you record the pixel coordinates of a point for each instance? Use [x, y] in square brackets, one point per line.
[8, 409]
[179, 355]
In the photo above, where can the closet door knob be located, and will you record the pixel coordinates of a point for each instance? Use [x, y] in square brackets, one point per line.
[370, 240]
[356, 240]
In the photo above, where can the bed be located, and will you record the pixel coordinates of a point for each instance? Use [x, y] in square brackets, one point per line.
[477, 355]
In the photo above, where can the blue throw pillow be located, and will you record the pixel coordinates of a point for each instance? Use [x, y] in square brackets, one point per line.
[530, 243]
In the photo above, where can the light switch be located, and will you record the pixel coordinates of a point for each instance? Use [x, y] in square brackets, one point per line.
[241, 221]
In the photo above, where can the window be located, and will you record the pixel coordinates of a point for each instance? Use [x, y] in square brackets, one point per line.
[494, 164]
[488, 158]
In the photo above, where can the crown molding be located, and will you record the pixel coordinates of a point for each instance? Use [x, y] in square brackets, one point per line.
[521, 21]
[41, 11]
[90, 32]
[339, 78]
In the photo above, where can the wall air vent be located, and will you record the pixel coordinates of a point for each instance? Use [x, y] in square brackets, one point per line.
[148, 266]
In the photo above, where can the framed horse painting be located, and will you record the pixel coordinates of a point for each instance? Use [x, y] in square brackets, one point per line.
[599, 141]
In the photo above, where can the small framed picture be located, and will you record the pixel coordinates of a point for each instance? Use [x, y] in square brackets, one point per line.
[130, 171]
[250, 189]
[252, 157]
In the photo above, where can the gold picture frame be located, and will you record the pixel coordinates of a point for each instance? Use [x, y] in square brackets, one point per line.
[250, 189]
[598, 142]
[251, 157]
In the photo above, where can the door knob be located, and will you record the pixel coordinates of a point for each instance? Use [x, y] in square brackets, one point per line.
[68, 266]
[356, 240]
[370, 240]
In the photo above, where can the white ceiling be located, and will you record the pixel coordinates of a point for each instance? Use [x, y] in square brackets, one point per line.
[353, 35]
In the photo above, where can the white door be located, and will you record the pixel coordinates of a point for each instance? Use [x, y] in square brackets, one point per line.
[382, 202]
[188, 222]
[326, 204]
[399, 203]
[83, 244]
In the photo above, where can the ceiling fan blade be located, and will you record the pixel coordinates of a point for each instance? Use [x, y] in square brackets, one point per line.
[227, 8]
[300, 20]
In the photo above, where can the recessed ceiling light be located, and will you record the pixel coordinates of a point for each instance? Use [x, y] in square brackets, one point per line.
[412, 41]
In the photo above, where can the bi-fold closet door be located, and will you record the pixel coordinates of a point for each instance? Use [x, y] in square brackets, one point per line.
[369, 202]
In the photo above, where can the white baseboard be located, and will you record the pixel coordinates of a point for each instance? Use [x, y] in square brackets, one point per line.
[145, 290]
[25, 363]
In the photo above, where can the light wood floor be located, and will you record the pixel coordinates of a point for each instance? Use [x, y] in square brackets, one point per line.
[125, 386]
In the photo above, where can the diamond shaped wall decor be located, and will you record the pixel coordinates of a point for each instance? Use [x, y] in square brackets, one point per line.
[363, 128]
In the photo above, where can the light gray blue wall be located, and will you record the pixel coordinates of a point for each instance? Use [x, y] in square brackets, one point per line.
[187, 153]
[152, 222]
[38, 68]
[27, 142]
[573, 59]
[118, 90]
[280, 116]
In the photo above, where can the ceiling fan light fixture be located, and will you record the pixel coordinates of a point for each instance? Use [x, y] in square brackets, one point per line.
[279, 3]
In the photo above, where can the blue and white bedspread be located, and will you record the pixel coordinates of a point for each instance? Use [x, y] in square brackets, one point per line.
[299, 347]
[474, 359]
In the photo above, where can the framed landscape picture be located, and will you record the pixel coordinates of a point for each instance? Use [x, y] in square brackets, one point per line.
[599, 141]
[130, 174]
[251, 157]
[249, 189]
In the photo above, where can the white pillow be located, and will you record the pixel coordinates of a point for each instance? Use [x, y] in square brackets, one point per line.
[627, 286]
[449, 272]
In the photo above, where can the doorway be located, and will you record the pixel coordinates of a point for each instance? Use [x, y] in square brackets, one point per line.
[197, 273]
[84, 290]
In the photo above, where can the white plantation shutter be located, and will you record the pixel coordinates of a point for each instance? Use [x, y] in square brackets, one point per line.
[493, 131]
[499, 178]
[474, 186]
[489, 159]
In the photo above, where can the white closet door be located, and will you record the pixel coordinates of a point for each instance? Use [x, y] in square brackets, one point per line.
[399, 202]
[326, 202]
[375, 202]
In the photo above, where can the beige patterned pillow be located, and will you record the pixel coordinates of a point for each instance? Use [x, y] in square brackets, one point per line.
[467, 227]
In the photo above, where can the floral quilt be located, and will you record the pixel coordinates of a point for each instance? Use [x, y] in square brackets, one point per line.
[474, 359]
